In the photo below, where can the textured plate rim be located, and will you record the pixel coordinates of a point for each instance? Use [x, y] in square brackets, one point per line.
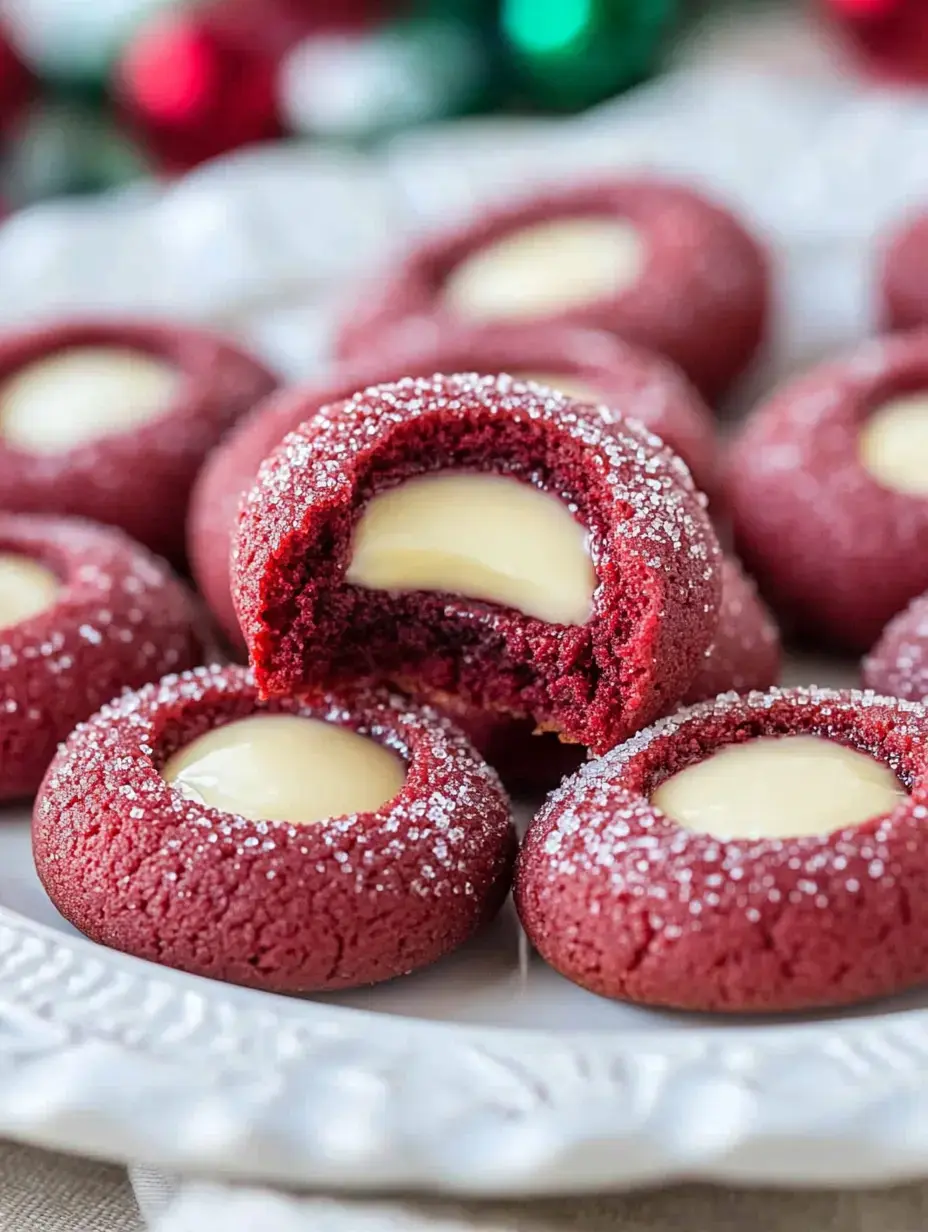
[107, 1055]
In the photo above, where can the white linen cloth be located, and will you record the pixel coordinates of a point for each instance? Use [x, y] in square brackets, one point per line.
[43, 1192]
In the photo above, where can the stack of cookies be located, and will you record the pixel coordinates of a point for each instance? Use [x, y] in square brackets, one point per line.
[487, 550]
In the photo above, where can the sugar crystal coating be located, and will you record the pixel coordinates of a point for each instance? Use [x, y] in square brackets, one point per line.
[898, 663]
[288, 908]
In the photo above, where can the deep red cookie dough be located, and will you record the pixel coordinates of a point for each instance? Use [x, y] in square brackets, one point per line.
[629, 380]
[835, 552]
[898, 663]
[625, 902]
[745, 655]
[120, 619]
[135, 865]
[904, 275]
[657, 561]
[139, 479]
[701, 299]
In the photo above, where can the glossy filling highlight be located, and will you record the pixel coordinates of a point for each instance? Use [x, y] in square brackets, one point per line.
[546, 268]
[26, 588]
[281, 767]
[779, 787]
[79, 395]
[486, 537]
[893, 445]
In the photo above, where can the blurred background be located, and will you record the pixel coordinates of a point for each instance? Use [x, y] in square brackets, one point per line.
[243, 163]
[96, 94]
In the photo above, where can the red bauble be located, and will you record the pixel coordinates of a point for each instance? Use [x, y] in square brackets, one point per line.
[890, 36]
[15, 84]
[198, 82]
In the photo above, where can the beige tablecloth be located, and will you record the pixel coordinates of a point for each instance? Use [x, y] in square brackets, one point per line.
[41, 1192]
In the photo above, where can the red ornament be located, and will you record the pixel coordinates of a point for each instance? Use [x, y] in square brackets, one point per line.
[890, 36]
[15, 85]
[198, 82]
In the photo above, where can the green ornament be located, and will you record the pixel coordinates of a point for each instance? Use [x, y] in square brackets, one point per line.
[65, 150]
[572, 53]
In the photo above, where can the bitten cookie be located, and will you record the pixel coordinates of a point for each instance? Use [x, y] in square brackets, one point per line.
[584, 364]
[828, 492]
[111, 421]
[84, 613]
[650, 261]
[480, 538]
[294, 846]
[749, 854]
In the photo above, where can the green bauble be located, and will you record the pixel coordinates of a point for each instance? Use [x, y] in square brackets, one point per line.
[65, 150]
[569, 54]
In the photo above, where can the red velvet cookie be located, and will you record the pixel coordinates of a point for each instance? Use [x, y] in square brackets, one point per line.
[111, 421]
[599, 579]
[653, 262]
[143, 866]
[631, 904]
[745, 655]
[746, 652]
[898, 664]
[904, 275]
[84, 613]
[626, 379]
[828, 495]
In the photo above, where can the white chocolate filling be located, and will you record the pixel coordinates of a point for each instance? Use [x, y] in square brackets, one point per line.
[26, 588]
[893, 444]
[568, 385]
[485, 537]
[81, 394]
[779, 787]
[283, 767]
[546, 268]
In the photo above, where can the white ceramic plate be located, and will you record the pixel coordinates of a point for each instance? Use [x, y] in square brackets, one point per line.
[487, 1073]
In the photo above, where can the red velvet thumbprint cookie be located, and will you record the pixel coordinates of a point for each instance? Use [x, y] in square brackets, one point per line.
[760, 853]
[84, 614]
[111, 421]
[592, 367]
[828, 491]
[483, 539]
[898, 663]
[297, 845]
[652, 262]
[904, 275]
